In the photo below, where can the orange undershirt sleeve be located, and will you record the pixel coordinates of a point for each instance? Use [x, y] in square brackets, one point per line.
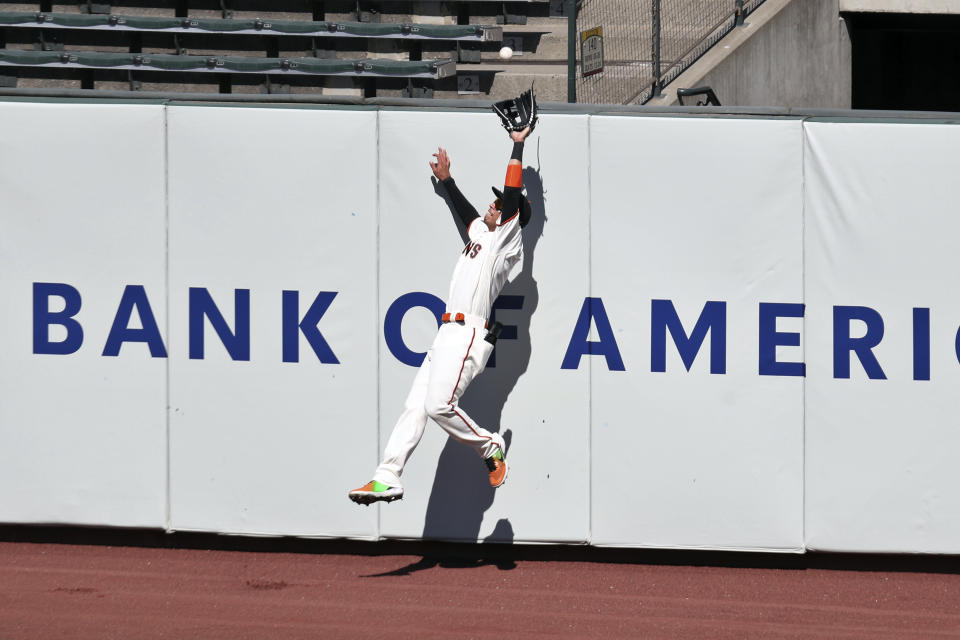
[514, 176]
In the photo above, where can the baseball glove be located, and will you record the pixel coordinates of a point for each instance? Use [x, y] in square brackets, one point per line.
[519, 113]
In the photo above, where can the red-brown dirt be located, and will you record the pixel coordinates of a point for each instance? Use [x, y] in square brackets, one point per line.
[74, 591]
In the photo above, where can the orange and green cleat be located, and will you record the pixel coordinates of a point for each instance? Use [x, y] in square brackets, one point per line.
[497, 465]
[375, 491]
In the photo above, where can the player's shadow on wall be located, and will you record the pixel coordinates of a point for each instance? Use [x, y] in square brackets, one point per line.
[461, 492]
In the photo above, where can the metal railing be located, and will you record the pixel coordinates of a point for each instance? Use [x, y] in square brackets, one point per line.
[709, 97]
[648, 43]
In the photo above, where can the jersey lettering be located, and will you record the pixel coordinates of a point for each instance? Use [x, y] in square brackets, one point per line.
[472, 248]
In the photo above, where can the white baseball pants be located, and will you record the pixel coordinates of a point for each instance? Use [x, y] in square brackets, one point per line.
[459, 353]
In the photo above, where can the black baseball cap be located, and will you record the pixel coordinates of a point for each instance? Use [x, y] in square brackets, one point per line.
[524, 207]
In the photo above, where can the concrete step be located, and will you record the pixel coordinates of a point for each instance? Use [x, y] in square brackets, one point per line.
[503, 80]
[532, 43]
[550, 82]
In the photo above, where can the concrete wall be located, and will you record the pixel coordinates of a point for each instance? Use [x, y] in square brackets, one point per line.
[791, 53]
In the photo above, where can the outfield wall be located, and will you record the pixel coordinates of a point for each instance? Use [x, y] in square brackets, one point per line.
[729, 333]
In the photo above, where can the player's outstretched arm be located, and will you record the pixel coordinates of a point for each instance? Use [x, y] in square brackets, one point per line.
[441, 171]
[513, 183]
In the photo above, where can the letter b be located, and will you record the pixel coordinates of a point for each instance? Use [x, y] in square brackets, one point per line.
[43, 318]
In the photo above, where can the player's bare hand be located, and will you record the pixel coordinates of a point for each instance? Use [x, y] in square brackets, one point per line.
[520, 136]
[441, 168]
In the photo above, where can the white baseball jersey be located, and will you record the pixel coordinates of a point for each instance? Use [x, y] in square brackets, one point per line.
[484, 266]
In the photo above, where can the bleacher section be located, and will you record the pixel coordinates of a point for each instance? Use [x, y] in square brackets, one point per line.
[265, 27]
[387, 48]
[226, 64]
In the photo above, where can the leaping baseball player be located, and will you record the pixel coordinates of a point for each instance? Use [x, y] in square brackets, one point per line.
[463, 343]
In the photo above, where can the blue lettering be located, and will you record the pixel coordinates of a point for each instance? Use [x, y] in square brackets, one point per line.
[713, 318]
[292, 327]
[201, 305]
[43, 318]
[843, 344]
[921, 343]
[956, 345]
[593, 311]
[394, 318]
[770, 339]
[664, 319]
[134, 297]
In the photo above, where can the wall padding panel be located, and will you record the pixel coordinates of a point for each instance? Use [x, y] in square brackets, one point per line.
[267, 201]
[881, 470]
[541, 409]
[709, 457]
[82, 434]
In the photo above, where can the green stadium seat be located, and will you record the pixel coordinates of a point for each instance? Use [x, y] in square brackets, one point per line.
[434, 69]
[113, 22]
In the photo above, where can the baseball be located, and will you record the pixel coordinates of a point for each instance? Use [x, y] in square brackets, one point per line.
[506, 53]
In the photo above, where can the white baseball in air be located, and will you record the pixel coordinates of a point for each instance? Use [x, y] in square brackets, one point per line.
[506, 53]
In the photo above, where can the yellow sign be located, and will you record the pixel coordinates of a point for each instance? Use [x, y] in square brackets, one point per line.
[591, 51]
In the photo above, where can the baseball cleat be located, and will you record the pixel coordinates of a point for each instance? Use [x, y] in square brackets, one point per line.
[497, 465]
[375, 491]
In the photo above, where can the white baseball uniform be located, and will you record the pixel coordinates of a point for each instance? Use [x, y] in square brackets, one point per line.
[459, 352]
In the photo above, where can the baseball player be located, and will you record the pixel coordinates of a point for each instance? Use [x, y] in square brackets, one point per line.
[463, 344]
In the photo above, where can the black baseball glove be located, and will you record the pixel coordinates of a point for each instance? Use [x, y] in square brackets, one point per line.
[519, 113]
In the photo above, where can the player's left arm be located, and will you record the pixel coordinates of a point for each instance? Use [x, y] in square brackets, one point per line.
[513, 183]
